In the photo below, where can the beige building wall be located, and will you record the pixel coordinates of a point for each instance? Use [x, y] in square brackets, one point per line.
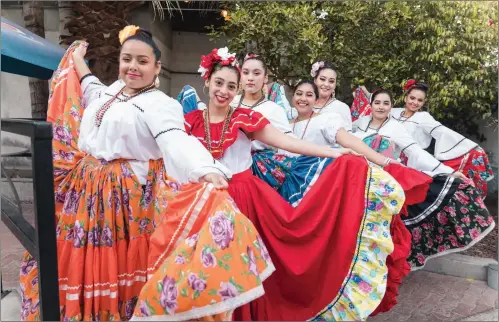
[186, 56]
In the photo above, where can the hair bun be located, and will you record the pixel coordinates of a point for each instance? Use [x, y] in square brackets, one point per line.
[127, 32]
[146, 33]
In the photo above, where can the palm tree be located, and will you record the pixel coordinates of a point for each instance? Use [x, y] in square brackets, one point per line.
[33, 14]
[99, 22]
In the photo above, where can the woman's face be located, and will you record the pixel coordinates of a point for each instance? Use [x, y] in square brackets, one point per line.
[222, 87]
[414, 100]
[253, 76]
[381, 106]
[304, 99]
[326, 82]
[138, 66]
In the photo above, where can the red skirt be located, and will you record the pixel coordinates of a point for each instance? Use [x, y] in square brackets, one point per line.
[415, 185]
[321, 249]
[475, 165]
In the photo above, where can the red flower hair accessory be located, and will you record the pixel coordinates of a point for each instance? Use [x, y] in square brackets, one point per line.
[409, 84]
[221, 57]
[249, 56]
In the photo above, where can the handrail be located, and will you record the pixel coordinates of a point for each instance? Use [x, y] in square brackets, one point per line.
[11, 184]
[40, 240]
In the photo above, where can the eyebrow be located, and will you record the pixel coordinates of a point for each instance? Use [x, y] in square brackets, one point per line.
[246, 68]
[140, 56]
[221, 79]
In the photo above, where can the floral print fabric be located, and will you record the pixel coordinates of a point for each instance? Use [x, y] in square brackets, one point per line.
[475, 165]
[365, 285]
[105, 222]
[459, 222]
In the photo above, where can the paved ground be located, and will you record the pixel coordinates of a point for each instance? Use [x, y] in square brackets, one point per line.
[487, 316]
[426, 296]
[12, 252]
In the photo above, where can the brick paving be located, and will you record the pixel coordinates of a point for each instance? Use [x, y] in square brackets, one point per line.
[12, 252]
[424, 296]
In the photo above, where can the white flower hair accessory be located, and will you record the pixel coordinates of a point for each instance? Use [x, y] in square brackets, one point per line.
[315, 68]
[220, 56]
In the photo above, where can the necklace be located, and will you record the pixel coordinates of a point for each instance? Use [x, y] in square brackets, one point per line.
[258, 102]
[107, 105]
[327, 103]
[306, 126]
[207, 132]
[379, 128]
[406, 118]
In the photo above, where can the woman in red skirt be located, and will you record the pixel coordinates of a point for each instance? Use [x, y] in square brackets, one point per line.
[453, 149]
[330, 252]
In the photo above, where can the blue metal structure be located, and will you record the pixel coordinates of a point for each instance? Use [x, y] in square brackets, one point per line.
[27, 54]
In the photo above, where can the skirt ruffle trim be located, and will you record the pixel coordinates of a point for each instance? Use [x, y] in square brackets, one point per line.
[365, 285]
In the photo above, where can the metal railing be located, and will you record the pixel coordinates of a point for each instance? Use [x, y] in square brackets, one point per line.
[39, 241]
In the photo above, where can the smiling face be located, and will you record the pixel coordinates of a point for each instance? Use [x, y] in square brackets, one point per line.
[138, 66]
[304, 99]
[253, 76]
[326, 82]
[381, 106]
[414, 100]
[222, 87]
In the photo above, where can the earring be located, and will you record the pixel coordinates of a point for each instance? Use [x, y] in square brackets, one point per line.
[156, 81]
[204, 91]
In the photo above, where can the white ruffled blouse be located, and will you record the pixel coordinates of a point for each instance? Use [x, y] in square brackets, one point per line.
[423, 127]
[147, 127]
[277, 118]
[321, 129]
[418, 158]
[338, 107]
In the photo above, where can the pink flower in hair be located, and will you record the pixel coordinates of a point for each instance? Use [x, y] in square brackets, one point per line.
[248, 56]
[315, 68]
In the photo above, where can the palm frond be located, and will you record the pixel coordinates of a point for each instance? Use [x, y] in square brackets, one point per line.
[167, 5]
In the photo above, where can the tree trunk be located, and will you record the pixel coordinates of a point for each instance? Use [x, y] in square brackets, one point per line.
[34, 21]
[66, 13]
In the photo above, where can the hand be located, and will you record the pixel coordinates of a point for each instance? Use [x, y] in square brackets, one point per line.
[217, 180]
[383, 161]
[81, 51]
[336, 153]
[393, 161]
[459, 175]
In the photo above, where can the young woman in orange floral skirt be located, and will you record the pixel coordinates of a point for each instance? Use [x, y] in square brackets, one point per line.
[123, 165]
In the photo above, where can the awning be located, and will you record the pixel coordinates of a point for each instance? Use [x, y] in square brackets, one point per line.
[27, 54]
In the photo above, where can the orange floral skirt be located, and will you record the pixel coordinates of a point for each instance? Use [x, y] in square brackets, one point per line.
[105, 219]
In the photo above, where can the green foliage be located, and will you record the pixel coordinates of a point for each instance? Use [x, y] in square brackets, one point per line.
[449, 45]
[287, 35]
